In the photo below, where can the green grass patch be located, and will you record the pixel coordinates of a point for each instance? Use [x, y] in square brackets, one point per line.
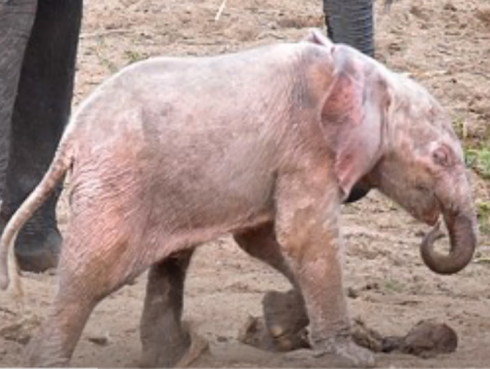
[99, 52]
[393, 285]
[459, 127]
[479, 160]
[483, 212]
[133, 56]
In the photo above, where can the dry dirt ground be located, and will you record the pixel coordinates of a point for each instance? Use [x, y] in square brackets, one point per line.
[444, 44]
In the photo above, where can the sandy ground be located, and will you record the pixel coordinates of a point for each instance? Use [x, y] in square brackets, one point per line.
[444, 44]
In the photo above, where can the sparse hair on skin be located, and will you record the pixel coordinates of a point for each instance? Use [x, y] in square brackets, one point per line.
[264, 144]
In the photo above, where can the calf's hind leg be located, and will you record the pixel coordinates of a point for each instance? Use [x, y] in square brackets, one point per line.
[87, 273]
[166, 342]
[261, 243]
[284, 313]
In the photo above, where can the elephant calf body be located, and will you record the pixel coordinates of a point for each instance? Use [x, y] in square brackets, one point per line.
[264, 144]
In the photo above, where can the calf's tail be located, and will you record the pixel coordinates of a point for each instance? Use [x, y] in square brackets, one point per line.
[9, 274]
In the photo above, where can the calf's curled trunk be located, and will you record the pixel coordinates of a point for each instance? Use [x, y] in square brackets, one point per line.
[462, 227]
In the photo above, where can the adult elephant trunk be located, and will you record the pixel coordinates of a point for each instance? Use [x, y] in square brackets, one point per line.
[462, 227]
[351, 22]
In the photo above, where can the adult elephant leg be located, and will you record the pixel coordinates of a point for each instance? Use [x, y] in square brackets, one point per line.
[351, 22]
[41, 109]
[16, 20]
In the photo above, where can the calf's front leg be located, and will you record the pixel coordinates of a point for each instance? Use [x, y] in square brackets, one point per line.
[307, 229]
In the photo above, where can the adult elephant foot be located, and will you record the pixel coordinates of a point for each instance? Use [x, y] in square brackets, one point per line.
[38, 252]
[38, 244]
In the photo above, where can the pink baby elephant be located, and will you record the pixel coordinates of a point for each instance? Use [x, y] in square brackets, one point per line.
[265, 144]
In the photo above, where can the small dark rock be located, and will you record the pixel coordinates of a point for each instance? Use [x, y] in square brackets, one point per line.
[352, 293]
[222, 339]
[450, 6]
[99, 340]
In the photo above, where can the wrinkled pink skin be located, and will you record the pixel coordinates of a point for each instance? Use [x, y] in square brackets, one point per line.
[264, 144]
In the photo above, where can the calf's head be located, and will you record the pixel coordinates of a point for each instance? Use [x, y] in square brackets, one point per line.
[387, 132]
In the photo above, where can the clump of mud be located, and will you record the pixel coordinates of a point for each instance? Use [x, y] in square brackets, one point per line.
[283, 329]
[426, 339]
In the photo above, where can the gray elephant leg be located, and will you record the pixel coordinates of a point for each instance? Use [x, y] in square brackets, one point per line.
[285, 324]
[41, 109]
[351, 22]
[166, 342]
[15, 28]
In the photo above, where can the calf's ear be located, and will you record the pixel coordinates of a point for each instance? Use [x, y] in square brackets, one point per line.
[315, 36]
[352, 117]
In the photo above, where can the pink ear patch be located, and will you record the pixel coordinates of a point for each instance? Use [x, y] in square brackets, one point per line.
[351, 119]
[343, 106]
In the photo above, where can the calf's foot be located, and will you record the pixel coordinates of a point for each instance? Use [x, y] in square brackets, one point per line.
[342, 353]
[179, 349]
[198, 346]
[285, 319]
[353, 353]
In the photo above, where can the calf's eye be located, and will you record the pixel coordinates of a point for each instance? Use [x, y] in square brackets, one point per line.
[441, 156]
